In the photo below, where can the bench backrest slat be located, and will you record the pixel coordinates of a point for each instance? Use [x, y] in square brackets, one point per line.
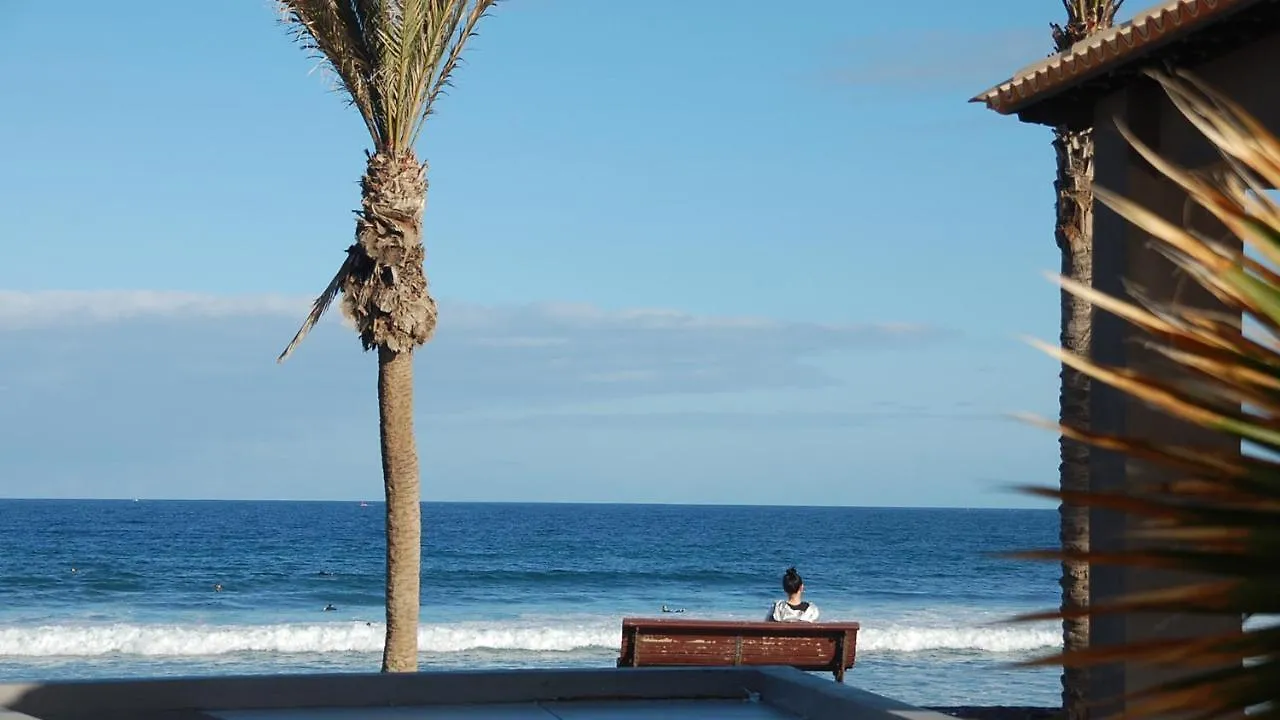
[808, 646]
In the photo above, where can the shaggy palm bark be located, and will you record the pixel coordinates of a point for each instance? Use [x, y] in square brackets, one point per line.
[1074, 234]
[1073, 231]
[385, 293]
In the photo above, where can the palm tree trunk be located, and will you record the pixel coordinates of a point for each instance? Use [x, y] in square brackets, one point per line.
[404, 511]
[1074, 234]
[386, 295]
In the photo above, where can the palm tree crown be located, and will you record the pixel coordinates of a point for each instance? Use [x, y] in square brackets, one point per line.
[392, 57]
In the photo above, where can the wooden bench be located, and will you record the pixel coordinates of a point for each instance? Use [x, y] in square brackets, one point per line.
[807, 646]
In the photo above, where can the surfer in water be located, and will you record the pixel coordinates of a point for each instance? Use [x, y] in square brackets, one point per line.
[666, 609]
[329, 608]
[794, 608]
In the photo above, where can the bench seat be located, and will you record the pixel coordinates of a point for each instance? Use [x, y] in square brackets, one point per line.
[648, 642]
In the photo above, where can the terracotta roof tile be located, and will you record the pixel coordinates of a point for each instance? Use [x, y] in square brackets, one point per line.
[1107, 51]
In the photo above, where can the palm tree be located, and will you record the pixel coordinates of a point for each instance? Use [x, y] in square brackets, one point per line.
[392, 59]
[1073, 186]
[1221, 519]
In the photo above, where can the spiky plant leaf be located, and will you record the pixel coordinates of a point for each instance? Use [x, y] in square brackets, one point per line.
[1221, 520]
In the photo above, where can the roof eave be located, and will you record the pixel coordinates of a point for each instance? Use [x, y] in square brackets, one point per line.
[1105, 54]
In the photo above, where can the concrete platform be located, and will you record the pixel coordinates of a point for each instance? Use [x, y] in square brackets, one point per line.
[581, 710]
[726, 693]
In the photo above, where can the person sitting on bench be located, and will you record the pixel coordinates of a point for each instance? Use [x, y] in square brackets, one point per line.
[794, 608]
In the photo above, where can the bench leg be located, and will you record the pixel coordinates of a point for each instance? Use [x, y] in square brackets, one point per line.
[631, 659]
[842, 649]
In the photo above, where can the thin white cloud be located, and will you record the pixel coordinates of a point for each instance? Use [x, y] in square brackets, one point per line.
[539, 355]
[930, 59]
[48, 308]
[534, 325]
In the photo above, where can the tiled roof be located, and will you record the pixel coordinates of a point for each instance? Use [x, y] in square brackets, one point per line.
[1108, 51]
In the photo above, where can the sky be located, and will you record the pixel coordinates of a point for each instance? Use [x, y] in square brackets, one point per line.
[685, 253]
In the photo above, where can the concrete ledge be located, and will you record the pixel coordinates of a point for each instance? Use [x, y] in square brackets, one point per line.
[788, 690]
[813, 697]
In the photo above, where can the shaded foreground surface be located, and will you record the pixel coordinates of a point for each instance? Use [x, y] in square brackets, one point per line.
[570, 710]
[706, 693]
[1000, 712]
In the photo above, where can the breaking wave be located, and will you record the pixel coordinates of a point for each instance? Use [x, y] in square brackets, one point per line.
[159, 640]
[902, 639]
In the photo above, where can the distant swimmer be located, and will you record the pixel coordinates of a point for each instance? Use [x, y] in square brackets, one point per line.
[329, 608]
[324, 573]
[74, 570]
[217, 587]
[666, 609]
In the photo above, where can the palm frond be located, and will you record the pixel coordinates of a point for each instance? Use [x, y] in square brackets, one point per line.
[392, 57]
[1220, 518]
[1084, 18]
[319, 306]
[334, 31]
[454, 34]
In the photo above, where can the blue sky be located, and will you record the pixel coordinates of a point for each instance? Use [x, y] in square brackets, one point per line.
[687, 252]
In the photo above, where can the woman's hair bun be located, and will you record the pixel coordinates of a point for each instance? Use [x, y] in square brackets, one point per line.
[791, 582]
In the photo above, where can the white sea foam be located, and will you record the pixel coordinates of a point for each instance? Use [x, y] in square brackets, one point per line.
[894, 638]
[356, 637]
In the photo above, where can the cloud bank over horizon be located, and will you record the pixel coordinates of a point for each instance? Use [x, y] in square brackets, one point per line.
[166, 394]
[43, 308]
[555, 352]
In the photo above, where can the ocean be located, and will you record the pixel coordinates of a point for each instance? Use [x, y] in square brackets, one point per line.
[94, 589]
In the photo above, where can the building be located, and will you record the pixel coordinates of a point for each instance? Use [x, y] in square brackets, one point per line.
[1233, 45]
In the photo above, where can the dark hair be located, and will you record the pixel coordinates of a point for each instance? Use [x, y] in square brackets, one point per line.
[791, 581]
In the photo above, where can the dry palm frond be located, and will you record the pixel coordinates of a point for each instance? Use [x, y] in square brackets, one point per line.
[319, 306]
[1221, 519]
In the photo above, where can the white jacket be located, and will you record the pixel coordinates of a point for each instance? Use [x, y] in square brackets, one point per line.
[783, 612]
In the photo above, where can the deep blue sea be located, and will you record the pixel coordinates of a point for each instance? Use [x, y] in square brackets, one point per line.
[126, 588]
